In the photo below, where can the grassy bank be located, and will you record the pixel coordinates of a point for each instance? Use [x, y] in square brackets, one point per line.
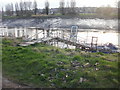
[81, 15]
[47, 66]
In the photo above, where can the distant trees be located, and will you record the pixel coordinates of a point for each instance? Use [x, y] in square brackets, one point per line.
[47, 7]
[9, 9]
[35, 7]
[70, 9]
[28, 8]
[62, 7]
[25, 8]
[17, 9]
[21, 7]
[73, 7]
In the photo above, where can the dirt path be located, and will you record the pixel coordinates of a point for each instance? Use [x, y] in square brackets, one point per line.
[9, 84]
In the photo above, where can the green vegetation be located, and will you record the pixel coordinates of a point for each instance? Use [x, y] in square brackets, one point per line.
[81, 15]
[47, 66]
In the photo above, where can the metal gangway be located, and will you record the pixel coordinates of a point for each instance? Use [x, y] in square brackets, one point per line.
[60, 35]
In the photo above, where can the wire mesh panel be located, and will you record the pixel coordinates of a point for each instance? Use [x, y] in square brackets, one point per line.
[73, 34]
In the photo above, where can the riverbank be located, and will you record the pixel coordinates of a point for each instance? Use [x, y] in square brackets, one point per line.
[81, 16]
[101, 24]
[59, 68]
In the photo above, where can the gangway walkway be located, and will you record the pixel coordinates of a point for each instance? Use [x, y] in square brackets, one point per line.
[59, 38]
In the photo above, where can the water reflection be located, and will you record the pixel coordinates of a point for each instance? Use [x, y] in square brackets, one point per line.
[103, 36]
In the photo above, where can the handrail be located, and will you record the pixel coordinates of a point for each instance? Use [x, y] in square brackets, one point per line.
[62, 36]
[34, 35]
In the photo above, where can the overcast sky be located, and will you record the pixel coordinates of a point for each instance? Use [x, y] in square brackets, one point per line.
[55, 3]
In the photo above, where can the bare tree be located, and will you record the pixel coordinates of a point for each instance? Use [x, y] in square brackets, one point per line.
[26, 8]
[35, 7]
[68, 4]
[9, 9]
[21, 8]
[73, 7]
[47, 7]
[29, 5]
[17, 9]
[73, 4]
[21, 5]
[12, 9]
[62, 7]
[67, 9]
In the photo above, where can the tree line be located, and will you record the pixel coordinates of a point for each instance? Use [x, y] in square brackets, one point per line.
[21, 8]
[28, 8]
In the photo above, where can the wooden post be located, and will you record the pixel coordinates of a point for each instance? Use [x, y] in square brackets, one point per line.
[63, 34]
[92, 42]
[18, 33]
[36, 33]
[6, 32]
[14, 33]
[2, 32]
[43, 33]
[23, 33]
[56, 42]
[48, 32]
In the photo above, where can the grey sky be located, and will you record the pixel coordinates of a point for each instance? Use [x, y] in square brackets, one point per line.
[55, 3]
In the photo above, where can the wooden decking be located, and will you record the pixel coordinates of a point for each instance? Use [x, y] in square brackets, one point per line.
[41, 40]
